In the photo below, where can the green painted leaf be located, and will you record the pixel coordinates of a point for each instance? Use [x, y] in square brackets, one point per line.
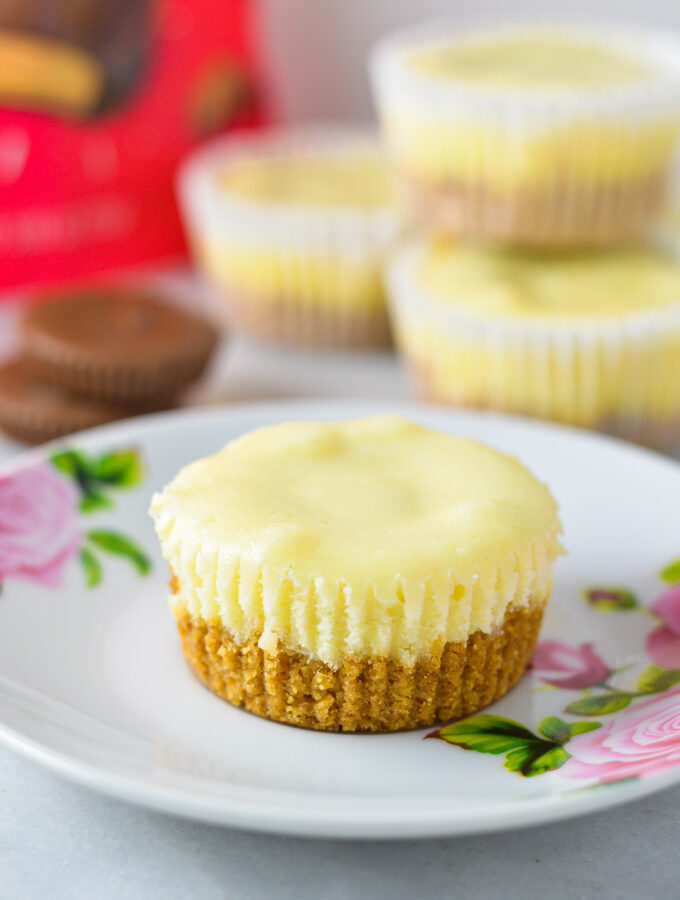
[92, 501]
[486, 733]
[671, 573]
[525, 752]
[546, 762]
[554, 729]
[557, 730]
[535, 759]
[75, 465]
[91, 567]
[599, 704]
[654, 679]
[611, 599]
[581, 727]
[520, 758]
[95, 475]
[70, 462]
[122, 468]
[120, 545]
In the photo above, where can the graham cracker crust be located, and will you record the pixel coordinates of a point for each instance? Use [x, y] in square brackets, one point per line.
[555, 216]
[363, 695]
[307, 326]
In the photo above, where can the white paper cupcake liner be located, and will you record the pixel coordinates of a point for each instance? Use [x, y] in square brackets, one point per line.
[621, 376]
[491, 127]
[346, 238]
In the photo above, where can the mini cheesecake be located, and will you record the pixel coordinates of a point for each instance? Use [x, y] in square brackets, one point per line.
[291, 226]
[586, 338]
[529, 134]
[369, 575]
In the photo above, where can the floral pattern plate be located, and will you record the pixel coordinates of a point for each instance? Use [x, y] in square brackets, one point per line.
[93, 683]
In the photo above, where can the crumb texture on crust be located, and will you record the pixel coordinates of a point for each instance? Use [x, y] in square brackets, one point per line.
[363, 694]
[563, 216]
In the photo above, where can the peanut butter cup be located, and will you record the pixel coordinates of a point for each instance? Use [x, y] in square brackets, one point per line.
[33, 410]
[117, 346]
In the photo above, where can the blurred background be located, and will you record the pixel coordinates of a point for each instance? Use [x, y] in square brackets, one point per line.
[102, 102]
[316, 52]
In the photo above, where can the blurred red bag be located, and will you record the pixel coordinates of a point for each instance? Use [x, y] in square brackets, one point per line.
[99, 99]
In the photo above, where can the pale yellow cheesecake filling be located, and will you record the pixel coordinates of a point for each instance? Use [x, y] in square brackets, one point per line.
[539, 59]
[270, 275]
[484, 280]
[373, 537]
[453, 143]
[342, 209]
[583, 337]
[351, 180]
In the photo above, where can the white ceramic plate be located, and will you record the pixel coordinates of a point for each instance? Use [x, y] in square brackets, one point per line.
[93, 683]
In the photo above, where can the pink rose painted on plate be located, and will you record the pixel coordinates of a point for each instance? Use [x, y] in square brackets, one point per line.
[40, 509]
[39, 531]
[663, 644]
[564, 666]
[644, 739]
[628, 725]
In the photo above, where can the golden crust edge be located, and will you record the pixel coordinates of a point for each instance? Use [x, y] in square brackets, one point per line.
[369, 695]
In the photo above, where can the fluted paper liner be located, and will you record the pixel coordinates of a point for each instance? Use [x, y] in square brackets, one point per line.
[459, 145]
[331, 621]
[326, 286]
[619, 375]
[379, 694]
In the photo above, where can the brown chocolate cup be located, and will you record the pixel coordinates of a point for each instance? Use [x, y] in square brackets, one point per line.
[116, 346]
[34, 411]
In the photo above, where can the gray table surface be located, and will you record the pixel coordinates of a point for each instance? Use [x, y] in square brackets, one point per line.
[61, 840]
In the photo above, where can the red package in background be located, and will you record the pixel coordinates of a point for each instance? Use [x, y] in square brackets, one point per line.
[99, 100]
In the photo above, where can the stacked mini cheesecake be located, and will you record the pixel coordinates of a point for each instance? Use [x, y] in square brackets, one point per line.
[537, 159]
[291, 226]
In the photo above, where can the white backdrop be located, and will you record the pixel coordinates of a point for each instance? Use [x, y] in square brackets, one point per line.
[316, 49]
